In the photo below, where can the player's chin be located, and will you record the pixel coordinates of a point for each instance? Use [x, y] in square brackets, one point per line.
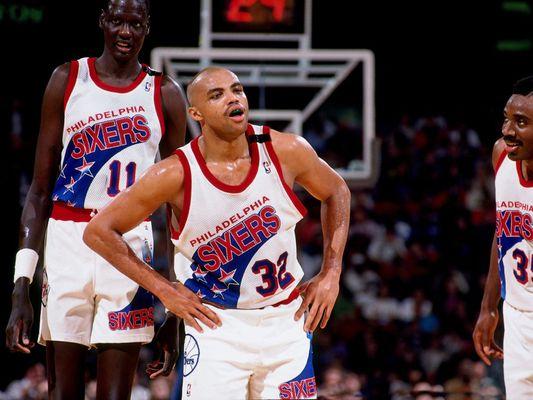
[238, 125]
[125, 55]
[520, 154]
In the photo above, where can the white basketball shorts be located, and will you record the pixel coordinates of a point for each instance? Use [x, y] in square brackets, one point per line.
[517, 352]
[86, 300]
[255, 354]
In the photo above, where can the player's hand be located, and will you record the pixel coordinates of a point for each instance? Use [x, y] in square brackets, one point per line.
[186, 305]
[20, 322]
[320, 294]
[166, 340]
[483, 336]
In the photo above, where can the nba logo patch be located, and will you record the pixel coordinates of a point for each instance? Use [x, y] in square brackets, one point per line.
[45, 289]
[191, 354]
[148, 86]
[146, 252]
[266, 166]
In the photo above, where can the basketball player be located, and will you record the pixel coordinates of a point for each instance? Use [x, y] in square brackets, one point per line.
[103, 121]
[510, 272]
[234, 215]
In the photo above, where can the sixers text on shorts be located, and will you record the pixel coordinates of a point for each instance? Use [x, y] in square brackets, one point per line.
[135, 319]
[301, 389]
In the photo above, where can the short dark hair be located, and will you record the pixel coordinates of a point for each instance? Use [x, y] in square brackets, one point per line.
[524, 86]
[107, 3]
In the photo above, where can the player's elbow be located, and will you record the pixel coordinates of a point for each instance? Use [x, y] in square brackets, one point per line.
[342, 191]
[93, 234]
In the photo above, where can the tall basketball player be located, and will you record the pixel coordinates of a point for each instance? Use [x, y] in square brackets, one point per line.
[234, 215]
[103, 121]
[510, 275]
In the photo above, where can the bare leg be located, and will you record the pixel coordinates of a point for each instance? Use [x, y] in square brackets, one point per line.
[66, 370]
[116, 366]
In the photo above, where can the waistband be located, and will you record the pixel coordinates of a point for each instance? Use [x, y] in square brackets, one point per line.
[293, 296]
[63, 212]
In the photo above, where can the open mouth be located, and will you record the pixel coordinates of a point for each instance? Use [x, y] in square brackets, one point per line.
[123, 47]
[511, 145]
[236, 113]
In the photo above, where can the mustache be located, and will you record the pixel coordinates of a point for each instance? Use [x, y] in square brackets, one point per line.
[511, 140]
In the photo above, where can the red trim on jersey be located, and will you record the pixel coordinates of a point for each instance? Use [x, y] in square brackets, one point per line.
[72, 76]
[523, 181]
[501, 158]
[159, 104]
[293, 296]
[252, 172]
[102, 85]
[187, 182]
[63, 212]
[273, 156]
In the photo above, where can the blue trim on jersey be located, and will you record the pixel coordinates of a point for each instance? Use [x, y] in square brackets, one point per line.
[229, 297]
[302, 386]
[504, 244]
[308, 371]
[143, 299]
[73, 184]
[177, 389]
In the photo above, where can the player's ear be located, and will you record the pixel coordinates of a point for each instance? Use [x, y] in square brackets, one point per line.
[101, 20]
[195, 113]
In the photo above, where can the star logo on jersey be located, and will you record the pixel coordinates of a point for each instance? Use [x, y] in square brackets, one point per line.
[227, 277]
[69, 186]
[199, 274]
[71, 204]
[218, 292]
[85, 168]
[200, 294]
[62, 173]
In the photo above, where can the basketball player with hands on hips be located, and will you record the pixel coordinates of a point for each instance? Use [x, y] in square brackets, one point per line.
[103, 121]
[510, 275]
[233, 218]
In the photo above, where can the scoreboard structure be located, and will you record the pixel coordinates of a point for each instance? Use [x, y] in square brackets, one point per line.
[267, 43]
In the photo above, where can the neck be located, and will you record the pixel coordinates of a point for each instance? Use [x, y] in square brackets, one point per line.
[527, 169]
[217, 148]
[121, 70]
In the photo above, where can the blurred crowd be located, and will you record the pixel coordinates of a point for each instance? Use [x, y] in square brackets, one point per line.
[414, 269]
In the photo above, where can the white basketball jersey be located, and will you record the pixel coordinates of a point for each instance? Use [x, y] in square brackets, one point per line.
[110, 135]
[240, 239]
[514, 230]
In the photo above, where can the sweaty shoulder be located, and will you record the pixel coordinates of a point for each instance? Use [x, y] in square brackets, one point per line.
[58, 81]
[169, 170]
[60, 74]
[294, 153]
[498, 154]
[289, 146]
[170, 85]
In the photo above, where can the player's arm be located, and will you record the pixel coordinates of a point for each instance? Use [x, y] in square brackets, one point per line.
[301, 164]
[174, 105]
[162, 183]
[174, 113]
[37, 209]
[487, 321]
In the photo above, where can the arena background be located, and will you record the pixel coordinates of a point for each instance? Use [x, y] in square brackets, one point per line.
[443, 72]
